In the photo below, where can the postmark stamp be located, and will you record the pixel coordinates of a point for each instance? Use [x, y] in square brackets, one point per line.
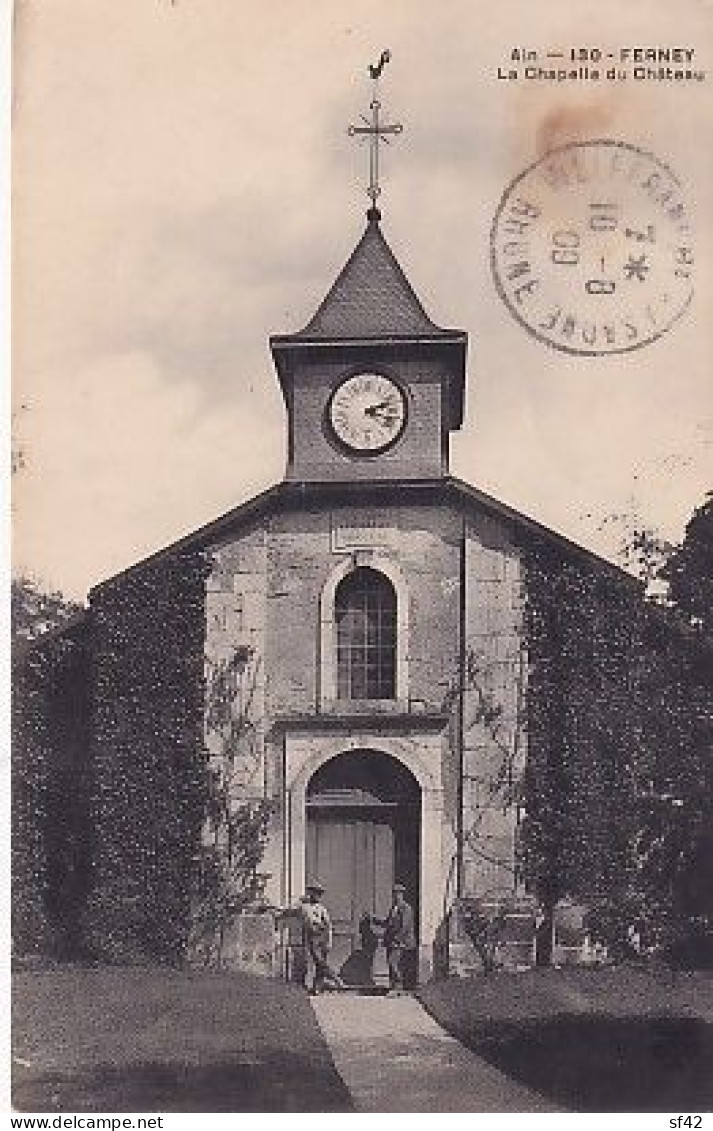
[592, 248]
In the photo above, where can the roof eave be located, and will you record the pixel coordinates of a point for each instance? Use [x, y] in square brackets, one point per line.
[537, 529]
[250, 510]
[279, 342]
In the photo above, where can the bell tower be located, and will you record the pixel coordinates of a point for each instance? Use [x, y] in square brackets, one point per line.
[373, 387]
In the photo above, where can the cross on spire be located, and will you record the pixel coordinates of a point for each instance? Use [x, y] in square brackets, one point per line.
[378, 134]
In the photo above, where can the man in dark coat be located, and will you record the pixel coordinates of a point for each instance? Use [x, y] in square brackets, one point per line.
[399, 936]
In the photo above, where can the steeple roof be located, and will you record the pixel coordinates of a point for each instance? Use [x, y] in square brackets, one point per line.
[371, 298]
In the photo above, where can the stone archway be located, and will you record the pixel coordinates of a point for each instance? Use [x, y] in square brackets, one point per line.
[363, 834]
[308, 747]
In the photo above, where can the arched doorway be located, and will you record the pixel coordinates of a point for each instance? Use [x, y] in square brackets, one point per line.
[363, 835]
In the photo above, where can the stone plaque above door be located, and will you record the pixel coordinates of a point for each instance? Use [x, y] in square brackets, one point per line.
[363, 530]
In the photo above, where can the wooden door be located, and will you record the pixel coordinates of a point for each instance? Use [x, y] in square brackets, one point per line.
[352, 853]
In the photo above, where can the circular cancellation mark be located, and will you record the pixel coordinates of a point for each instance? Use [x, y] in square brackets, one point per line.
[592, 250]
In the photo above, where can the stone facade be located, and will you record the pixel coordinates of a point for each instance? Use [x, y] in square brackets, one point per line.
[494, 750]
[236, 604]
[458, 585]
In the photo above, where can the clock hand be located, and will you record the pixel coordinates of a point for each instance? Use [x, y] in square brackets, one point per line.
[375, 409]
[385, 419]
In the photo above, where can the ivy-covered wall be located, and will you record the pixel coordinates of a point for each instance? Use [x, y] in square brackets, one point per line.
[51, 843]
[149, 769]
[585, 736]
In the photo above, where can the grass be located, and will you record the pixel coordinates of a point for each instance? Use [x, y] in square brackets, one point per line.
[123, 1039]
[610, 1039]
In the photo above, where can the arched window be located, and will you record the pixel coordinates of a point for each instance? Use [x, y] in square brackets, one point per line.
[365, 616]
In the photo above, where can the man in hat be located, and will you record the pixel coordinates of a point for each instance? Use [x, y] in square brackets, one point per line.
[399, 936]
[317, 931]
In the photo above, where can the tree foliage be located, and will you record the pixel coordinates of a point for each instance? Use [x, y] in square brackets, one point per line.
[34, 610]
[675, 841]
[689, 572]
[49, 714]
[51, 862]
[619, 775]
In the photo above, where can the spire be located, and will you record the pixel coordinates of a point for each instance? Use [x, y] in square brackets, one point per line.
[371, 297]
[371, 308]
[378, 133]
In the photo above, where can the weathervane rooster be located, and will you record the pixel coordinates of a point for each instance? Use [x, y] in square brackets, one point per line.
[375, 71]
[377, 133]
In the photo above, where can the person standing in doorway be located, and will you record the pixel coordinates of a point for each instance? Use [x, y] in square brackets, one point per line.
[399, 936]
[317, 928]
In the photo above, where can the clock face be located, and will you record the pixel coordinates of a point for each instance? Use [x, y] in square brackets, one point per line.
[368, 412]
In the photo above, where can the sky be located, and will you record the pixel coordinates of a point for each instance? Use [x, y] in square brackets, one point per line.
[184, 186]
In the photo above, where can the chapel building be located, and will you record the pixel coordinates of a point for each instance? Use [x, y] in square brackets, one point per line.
[348, 648]
[366, 609]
